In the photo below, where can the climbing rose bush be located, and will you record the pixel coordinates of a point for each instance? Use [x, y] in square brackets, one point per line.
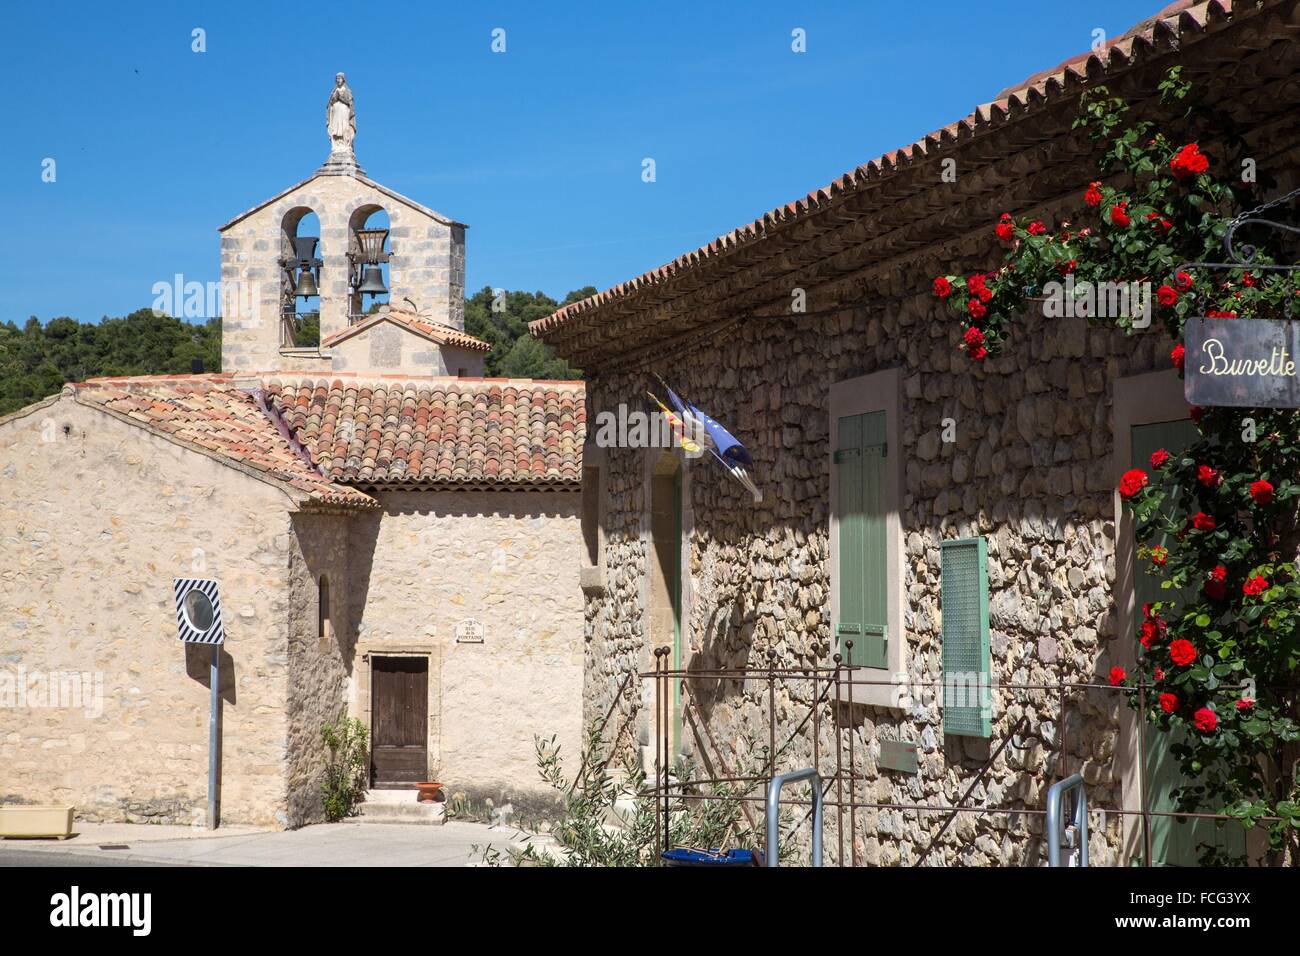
[1218, 524]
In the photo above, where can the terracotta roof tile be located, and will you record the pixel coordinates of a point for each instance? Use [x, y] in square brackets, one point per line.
[489, 432]
[210, 413]
[435, 332]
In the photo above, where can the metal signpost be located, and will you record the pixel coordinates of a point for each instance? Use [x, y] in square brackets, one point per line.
[198, 621]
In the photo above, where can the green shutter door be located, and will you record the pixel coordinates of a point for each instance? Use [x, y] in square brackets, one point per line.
[964, 597]
[1174, 841]
[860, 467]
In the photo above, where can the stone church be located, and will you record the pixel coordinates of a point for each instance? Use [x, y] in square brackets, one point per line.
[395, 537]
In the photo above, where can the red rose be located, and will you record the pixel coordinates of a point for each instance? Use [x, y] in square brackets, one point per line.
[976, 309]
[1206, 720]
[1218, 314]
[1159, 222]
[1119, 214]
[1189, 161]
[1066, 268]
[942, 287]
[1159, 555]
[973, 337]
[1262, 492]
[1093, 196]
[984, 293]
[1245, 703]
[1160, 674]
[1006, 228]
[1176, 356]
[1036, 228]
[1207, 476]
[976, 281]
[1183, 281]
[1117, 676]
[1248, 280]
[1168, 703]
[1203, 522]
[1220, 573]
[1167, 295]
[1255, 586]
[1182, 652]
[1158, 458]
[978, 353]
[1133, 481]
[1149, 633]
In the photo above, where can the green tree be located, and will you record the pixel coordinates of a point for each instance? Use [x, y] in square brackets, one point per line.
[503, 323]
[36, 360]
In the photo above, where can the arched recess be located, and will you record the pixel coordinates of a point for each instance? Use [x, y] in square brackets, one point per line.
[367, 218]
[300, 313]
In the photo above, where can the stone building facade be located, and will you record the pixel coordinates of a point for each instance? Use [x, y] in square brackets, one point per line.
[394, 537]
[1022, 451]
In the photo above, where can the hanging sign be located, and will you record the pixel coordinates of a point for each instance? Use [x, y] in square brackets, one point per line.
[1241, 362]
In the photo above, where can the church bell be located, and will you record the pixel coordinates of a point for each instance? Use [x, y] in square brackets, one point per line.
[306, 284]
[372, 282]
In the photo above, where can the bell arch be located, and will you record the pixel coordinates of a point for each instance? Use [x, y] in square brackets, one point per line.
[369, 250]
[300, 276]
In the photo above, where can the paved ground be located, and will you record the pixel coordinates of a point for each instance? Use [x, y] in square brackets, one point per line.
[338, 844]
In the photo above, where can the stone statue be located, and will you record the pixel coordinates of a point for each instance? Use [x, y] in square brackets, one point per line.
[341, 117]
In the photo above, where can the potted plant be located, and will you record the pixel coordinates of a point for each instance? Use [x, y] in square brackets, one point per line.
[430, 791]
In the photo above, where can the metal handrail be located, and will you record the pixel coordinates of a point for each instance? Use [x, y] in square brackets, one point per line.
[1079, 815]
[774, 804]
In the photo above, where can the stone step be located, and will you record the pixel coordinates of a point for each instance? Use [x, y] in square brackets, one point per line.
[400, 806]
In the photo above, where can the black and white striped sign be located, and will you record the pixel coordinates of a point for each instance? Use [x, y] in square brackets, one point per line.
[198, 611]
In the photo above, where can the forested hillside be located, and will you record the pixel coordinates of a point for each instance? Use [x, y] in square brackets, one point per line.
[37, 358]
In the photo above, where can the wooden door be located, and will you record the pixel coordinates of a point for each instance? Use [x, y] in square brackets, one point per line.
[399, 703]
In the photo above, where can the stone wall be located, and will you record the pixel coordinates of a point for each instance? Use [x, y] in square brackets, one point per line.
[319, 657]
[509, 561]
[385, 347]
[427, 265]
[96, 518]
[1029, 470]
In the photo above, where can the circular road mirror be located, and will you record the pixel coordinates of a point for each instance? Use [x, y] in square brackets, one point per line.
[198, 610]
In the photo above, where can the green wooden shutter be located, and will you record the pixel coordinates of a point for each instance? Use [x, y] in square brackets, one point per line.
[964, 593]
[860, 471]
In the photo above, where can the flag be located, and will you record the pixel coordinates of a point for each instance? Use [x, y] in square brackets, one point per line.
[690, 446]
[724, 446]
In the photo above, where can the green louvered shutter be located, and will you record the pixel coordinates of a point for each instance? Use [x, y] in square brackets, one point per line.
[964, 593]
[860, 466]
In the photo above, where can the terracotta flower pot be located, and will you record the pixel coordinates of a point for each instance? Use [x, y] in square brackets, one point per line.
[430, 791]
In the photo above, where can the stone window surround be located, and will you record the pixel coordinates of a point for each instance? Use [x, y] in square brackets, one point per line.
[879, 391]
[591, 577]
[427, 649]
[324, 610]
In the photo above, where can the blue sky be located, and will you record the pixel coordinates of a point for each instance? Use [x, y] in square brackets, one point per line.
[538, 149]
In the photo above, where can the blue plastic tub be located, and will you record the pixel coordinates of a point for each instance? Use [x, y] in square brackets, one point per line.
[681, 856]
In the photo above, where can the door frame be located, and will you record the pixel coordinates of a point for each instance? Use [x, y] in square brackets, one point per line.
[1145, 399]
[364, 684]
[661, 463]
